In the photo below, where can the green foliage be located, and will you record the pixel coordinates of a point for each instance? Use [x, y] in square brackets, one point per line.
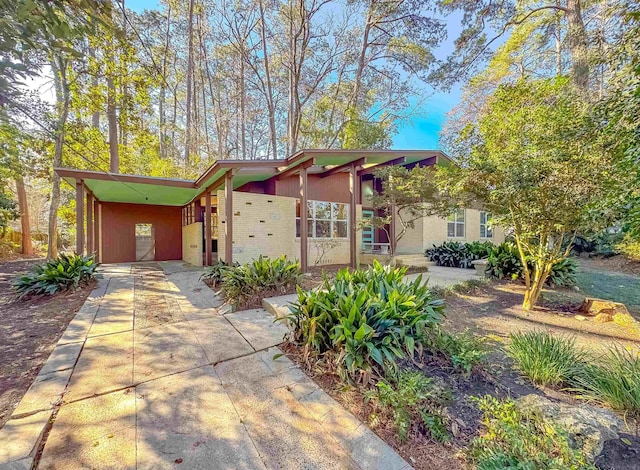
[545, 359]
[8, 212]
[414, 401]
[365, 319]
[464, 350]
[535, 166]
[504, 263]
[247, 284]
[62, 273]
[214, 274]
[613, 380]
[458, 255]
[629, 248]
[515, 440]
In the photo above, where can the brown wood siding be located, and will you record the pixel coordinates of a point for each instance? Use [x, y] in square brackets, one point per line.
[118, 226]
[333, 188]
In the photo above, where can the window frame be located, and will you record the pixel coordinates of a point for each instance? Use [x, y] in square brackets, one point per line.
[454, 219]
[488, 230]
[333, 219]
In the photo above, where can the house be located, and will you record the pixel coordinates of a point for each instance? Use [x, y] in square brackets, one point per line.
[238, 210]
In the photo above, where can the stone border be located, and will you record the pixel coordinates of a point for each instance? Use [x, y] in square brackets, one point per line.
[21, 435]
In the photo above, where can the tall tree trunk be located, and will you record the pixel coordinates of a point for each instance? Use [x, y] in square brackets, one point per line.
[557, 33]
[243, 92]
[112, 119]
[163, 89]
[292, 60]
[27, 245]
[577, 41]
[95, 117]
[270, 106]
[59, 68]
[124, 105]
[187, 135]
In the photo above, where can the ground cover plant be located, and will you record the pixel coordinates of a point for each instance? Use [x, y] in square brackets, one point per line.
[513, 439]
[457, 254]
[246, 285]
[365, 320]
[414, 401]
[464, 350]
[214, 275]
[55, 275]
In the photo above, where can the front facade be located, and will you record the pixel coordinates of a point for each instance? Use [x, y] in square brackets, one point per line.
[239, 210]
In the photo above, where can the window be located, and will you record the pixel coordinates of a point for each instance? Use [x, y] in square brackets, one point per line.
[455, 224]
[325, 219]
[485, 229]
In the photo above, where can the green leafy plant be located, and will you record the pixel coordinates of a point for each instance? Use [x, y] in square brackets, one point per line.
[614, 380]
[550, 360]
[516, 440]
[247, 284]
[413, 400]
[59, 274]
[504, 263]
[464, 350]
[214, 275]
[458, 255]
[365, 319]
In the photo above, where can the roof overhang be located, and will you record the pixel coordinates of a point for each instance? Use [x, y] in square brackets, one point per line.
[115, 187]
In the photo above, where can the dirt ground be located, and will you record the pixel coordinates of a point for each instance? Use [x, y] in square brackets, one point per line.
[617, 263]
[29, 330]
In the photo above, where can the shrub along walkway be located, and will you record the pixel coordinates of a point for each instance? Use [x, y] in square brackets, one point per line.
[154, 372]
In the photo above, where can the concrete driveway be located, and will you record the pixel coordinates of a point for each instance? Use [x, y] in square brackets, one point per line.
[155, 372]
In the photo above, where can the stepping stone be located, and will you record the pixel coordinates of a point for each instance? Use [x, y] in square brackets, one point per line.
[188, 419]
[98, 432]
[258, 328]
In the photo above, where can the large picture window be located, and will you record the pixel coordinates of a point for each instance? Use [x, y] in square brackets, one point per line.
[325, 219]
[485, 228]
[455, 224]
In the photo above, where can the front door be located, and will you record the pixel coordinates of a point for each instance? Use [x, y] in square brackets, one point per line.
[367, 231]
[145, 243]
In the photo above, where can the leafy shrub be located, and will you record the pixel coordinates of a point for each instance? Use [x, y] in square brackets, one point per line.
[546, 359]
[464, 350]
[614, 380]
[62, 273]
[458, 255]
[629, 248]
[504, 263]
[515, 440]
[365, 318]
[413, 401]
[214, 275]
[247, 284]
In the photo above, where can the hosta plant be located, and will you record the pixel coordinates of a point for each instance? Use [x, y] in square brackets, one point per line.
[59, 274]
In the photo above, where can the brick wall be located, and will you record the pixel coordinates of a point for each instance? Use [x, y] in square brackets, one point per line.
[262, 225]
[192, 243]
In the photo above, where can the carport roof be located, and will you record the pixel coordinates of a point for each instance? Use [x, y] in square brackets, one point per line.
[115, 187]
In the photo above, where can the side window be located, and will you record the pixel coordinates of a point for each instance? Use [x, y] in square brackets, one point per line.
[455, 224]
[485, 229]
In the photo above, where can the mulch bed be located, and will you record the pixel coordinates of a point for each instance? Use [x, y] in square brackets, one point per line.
[29, 330]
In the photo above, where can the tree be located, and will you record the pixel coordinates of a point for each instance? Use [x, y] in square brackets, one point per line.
[411, 194]
[537, 166]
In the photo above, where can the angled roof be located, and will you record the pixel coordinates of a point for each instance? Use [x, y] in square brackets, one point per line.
[116, 187]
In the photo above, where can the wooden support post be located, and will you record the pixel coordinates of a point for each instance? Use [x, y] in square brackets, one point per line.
[354, 189]
[96, 228]
[79, 217]
[228, 211]
[208, 258]
[303, 220]
[90, 248]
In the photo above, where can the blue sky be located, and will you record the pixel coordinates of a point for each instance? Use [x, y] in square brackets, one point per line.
[423, 131]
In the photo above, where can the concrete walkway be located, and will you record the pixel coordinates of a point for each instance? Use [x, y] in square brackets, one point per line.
[155, 372]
